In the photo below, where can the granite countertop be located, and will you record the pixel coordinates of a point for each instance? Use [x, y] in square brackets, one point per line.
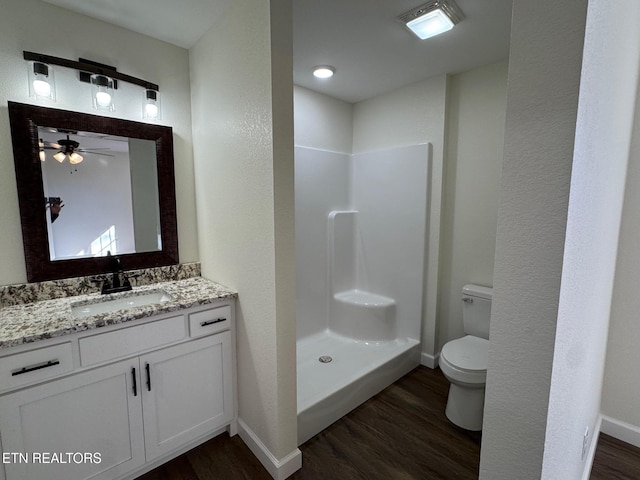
[27, 323]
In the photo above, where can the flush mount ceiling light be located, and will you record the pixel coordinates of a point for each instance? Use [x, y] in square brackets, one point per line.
[323, 71]
[432, 18]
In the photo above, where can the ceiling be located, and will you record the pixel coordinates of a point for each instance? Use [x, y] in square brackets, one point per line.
[370, 49]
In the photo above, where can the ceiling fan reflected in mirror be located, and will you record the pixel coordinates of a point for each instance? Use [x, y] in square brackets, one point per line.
[68, 150]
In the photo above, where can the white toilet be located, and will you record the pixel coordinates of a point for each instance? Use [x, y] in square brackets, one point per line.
[464, 360]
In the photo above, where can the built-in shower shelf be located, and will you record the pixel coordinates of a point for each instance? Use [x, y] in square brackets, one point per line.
[365, 299]
[363, 315]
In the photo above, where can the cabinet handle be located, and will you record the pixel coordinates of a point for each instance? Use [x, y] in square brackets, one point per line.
[48, 364]
[135, 382]
[146, 367]
[211, 322]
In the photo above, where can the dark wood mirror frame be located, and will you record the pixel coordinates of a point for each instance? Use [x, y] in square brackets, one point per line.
[25, 120]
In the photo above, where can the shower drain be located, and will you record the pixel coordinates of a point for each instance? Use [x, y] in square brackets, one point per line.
[325, 359]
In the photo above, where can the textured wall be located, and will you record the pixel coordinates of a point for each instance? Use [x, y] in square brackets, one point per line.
[243, 150]
[603, 131]
[621, 391]
[475, 129]
[36, 26]
[542, 100]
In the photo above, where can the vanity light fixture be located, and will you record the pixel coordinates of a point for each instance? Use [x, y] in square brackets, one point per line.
[432, 18]
[151, 104]
[41, 81]
[323, 71]
[103, 79]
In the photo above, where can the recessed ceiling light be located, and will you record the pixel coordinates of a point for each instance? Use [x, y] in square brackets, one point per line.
[323, 71]
[432, 18]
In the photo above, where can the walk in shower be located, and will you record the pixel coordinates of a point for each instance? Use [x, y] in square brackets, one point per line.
[360, 249]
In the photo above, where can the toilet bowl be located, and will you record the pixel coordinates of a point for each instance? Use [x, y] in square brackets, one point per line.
[463, 361]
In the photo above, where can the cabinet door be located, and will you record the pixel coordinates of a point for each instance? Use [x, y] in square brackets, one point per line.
[86, 426]
[188, 392]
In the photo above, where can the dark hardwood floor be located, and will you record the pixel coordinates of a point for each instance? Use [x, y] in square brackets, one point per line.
[402, 433]
[615, 460]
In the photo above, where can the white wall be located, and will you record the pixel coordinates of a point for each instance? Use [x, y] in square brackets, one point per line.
[243, 148]
[542, 99]
[621, 390]
[412, 115]
[475, 129]
[36, 26]
[603, 131]
[322, 122]
[322, 180]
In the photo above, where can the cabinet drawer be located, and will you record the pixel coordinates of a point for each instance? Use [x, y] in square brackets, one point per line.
[209, 321]
[35, 365]
[128, 341]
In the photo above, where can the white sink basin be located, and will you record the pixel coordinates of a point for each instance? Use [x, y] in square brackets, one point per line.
[81, 310]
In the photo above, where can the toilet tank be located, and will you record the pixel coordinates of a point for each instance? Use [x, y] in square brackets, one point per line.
[476, 310]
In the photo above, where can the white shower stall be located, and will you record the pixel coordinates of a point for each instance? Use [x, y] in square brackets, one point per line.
[361, 229]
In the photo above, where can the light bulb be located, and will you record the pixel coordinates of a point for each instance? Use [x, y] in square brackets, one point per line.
[151, 105]
[41, 88]
[60, 156]
[151, 110]
[323, 71]
[102, 89]
[42, 156]
[103, 99]
[75, 158]
[41, 82]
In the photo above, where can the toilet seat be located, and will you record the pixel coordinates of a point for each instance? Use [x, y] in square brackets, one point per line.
[464, 360]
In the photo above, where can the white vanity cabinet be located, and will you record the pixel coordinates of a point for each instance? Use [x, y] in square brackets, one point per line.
[137, 395]
[90, 412]
[192, 378]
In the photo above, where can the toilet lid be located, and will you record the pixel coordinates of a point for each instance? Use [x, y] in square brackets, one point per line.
[467, 353]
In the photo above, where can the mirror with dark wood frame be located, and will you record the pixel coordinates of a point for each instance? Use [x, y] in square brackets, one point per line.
[27, 122]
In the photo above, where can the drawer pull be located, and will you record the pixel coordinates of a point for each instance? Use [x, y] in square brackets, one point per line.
[50, 363]
[211, 322]
[146, 367]
[135, 383]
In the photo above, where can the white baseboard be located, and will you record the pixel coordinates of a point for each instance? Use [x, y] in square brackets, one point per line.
[593, 445]
[621, 430]
[278, 469]
[428, 360]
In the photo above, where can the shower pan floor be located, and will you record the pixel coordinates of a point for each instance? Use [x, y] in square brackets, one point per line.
[357, 371]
